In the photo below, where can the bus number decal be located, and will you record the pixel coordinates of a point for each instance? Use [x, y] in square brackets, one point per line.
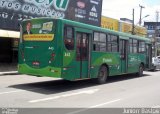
[67, 54]
[51, 48]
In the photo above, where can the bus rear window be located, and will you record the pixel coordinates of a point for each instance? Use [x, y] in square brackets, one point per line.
[69, 37]
[38, 30]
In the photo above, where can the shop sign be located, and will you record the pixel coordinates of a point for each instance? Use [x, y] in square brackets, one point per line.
[13, 12]
[109, 23]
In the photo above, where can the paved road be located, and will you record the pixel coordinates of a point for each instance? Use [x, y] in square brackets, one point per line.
[121, 91]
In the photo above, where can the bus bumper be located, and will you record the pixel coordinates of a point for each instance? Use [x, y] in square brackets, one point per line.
[44, 72]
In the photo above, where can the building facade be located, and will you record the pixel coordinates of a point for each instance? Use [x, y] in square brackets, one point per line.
[153, 32]
[13, 12]
[123, 25]
[9, 46]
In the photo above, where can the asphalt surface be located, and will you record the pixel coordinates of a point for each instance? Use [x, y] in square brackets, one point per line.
[25, 91]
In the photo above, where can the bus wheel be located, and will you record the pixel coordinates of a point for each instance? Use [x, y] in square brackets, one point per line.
[102, 75]
[154, 69]
[140, 72]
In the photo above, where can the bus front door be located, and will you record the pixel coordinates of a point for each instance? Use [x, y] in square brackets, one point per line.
[123, 55]
[82, 54]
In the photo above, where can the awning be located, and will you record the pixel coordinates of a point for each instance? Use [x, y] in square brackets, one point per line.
[9, 34]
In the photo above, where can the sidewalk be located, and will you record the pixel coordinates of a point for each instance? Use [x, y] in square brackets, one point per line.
[8, 68]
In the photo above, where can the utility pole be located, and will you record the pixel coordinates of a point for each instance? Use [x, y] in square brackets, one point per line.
[140, 19]
[133, 23]
[157, 16]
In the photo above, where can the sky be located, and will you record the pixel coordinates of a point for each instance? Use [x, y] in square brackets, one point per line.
[123, 9]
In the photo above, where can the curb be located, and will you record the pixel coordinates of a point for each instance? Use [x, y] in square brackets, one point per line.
[9, 73]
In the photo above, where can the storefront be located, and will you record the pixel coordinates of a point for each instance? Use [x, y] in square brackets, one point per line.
[9, 46]
[13, 12]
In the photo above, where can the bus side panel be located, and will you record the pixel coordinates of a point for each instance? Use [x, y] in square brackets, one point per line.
[68, 58]
[133, 63]
[69, 69]
[112, 60]
[142, 59]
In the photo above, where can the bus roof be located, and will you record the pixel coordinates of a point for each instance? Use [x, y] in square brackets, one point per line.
[95, 28]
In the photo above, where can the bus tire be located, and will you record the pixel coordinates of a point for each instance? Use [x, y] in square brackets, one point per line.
[102, 75]
[140, 71]
[154, 69]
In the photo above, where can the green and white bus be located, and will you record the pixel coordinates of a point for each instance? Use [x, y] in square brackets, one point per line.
[73, 51]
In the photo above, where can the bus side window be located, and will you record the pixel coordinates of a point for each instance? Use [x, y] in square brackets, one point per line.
[112, 43]
[130, 46]
[99, 42]
[69, 37]
[141, 48]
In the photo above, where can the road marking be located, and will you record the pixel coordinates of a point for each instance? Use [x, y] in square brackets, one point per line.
[11, 92]
[95, 106]
[158, 106]
[92, 91]
[10, 72]
[16, 91]
[109, 102]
